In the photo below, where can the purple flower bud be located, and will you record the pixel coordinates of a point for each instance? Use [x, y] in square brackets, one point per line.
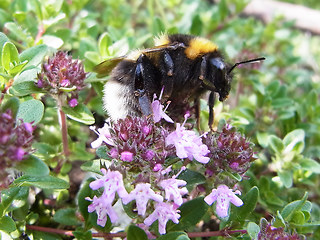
[126, 156]
[157, 167]
[28, 127]
[19, 153]
[149, 155]
[65, 83]
[73, 102]
[114, 153]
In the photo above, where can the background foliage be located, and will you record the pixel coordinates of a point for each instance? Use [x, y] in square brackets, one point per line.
[277, 106]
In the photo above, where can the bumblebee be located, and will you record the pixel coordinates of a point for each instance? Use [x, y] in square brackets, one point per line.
[184, 66]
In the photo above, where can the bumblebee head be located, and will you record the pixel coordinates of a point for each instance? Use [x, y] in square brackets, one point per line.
[221, 77]
[217, 74]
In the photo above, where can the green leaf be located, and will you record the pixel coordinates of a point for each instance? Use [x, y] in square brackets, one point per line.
[249, 204]
[13, 104]
[158, 26]
[191, 213]
[196, 26]
[223, 9]
[80, 113]
[253, 230]
[31, 111]
[294, 141]
[83, 204]
[288, 211]
[81, 235]
[136, 233]
[174, 236]
[92, 166]
[7, 224]
[192, 178]
[282, 102]
[33, 166]
[34, 55]
[17, 68]
[276, 144]
[24, 88]
[262, 138]
[28, 75]
[298, 218]
[10, 195]
[44, 182]
[286, 177]
[102, 152]
[3, 40]
[66, 216]
[310, 165]
[104, 42]
[10, 56]
[16, 30]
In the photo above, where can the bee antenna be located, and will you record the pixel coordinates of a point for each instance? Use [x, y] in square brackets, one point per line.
[247, 61]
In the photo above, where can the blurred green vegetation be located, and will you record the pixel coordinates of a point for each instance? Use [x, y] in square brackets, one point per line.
[276, 103]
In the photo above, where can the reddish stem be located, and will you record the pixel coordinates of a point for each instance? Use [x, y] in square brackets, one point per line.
[123, 234]
[41, 31]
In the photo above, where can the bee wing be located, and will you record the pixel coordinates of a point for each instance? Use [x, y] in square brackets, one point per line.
[104, 68]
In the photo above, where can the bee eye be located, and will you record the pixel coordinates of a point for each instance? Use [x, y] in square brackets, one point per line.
[218, 63]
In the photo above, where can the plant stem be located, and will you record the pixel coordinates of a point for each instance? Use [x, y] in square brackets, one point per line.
[223, 232]
[64, 133]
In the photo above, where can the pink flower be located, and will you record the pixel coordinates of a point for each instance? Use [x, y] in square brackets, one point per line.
[104, 136]
[172, 190]
[188, 144]
[142, 193]
[163, 213]
[158, 112]
[223, 195]
[73, 102]
[126, 156]
[111, 182]
[103, 207]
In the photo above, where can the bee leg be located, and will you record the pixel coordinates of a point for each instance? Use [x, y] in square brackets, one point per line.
[168, 63]
[197, 112]
[140, 86]
[211, 101]
[167, 81]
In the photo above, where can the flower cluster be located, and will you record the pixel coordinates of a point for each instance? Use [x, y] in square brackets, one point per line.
[62, 75]
[142, 194]
[228, 151]
[141, 149]
[268, 232]
[136, 141]
[15, 143]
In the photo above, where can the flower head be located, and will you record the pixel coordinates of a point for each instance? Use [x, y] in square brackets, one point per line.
[163, 213]
[223, 196]
[62, 75]
[103, 207]
[229, 150]
[15, 143]
[173, 190]
[111, 182]
[188, 144]
[268, 232]
[136, 141]
[157, 108]
[142, 193]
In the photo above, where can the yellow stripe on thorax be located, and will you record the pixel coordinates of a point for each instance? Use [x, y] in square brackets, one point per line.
[198, 47]
[161, 40]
